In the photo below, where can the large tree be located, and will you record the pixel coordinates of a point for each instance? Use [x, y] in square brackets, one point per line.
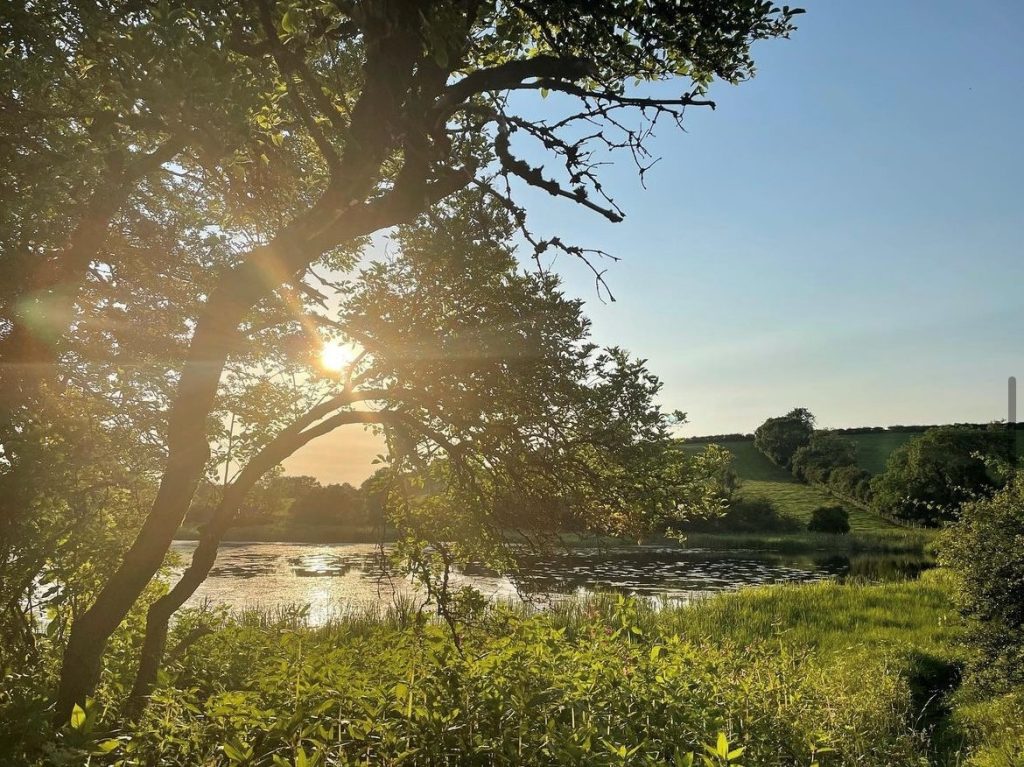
[927, 478]
[781, 437]
[343, 119]
[499, 412]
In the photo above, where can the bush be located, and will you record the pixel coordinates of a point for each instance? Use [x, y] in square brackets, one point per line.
[753, 515]
[825, 453]
[984, 549]
[830, 519]
[849, 479]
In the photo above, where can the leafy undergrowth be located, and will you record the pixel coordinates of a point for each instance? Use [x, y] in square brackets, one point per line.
[787, 675]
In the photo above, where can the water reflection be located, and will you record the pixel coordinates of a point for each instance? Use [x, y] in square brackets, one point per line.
[334, 578]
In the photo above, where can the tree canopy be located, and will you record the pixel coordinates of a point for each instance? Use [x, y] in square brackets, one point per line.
[779, 438]
[927, 478]
[187, 192]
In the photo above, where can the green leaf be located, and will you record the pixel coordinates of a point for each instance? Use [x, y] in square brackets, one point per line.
[77, 717]
[722, 747]
[288, 23]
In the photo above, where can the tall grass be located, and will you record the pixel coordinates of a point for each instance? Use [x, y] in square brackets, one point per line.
[841, 674]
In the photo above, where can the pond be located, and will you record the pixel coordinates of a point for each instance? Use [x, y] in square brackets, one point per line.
[335, 578]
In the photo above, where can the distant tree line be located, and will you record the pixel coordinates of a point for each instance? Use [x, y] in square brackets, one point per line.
[735, 437]
[899, 428]
[299, 500]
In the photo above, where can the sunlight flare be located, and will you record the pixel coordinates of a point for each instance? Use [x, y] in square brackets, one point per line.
[336, 357]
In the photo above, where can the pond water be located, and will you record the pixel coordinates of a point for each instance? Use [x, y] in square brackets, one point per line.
[335, 578]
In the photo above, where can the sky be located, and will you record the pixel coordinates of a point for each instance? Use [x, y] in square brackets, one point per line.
[843, 233]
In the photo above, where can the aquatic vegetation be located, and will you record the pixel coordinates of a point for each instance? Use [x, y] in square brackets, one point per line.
[777, 674]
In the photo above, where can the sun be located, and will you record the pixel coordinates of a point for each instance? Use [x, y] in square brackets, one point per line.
[336, 357]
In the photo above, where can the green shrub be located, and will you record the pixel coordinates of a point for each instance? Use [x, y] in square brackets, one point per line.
[984, 549]
[746, 515]
[847, 480]
[830, 519]
[824, 454]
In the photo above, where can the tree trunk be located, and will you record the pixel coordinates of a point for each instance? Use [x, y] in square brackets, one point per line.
[160, 612]
[89, 633]
[342, 213]
[188, 451]
[286, 443]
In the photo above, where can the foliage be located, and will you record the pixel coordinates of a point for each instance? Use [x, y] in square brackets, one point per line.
[851, 481]
[777, 671]
[984, 549]
[823, 454]
[213, 167]
[928, 477]
[779, 438]
[994, 723]
[331, 504]
[830, 519]
[746, 515]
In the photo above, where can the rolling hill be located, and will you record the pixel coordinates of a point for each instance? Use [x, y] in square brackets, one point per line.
[760, 478]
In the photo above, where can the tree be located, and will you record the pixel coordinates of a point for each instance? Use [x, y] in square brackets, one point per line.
[984, 552]
[927, 478]
[825, 452]
[851, 480]
[495, 405]
[779, 438]
[332, 504]
[346, 120]
[745, 515]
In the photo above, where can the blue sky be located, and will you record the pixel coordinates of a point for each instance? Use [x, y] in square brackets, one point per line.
[843, 233]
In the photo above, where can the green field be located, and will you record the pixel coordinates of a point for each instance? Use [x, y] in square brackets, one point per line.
[873, 449]
[760, 478]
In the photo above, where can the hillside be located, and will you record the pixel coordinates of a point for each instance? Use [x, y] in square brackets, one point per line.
[760, 478]
[873, 448]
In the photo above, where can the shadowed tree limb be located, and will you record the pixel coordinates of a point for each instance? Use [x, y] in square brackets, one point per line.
[278, 449]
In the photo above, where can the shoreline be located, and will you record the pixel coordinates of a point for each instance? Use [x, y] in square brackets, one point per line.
[894, 541]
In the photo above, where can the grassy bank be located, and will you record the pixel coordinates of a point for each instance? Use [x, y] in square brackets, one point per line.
[893, 540]
[845, 674]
